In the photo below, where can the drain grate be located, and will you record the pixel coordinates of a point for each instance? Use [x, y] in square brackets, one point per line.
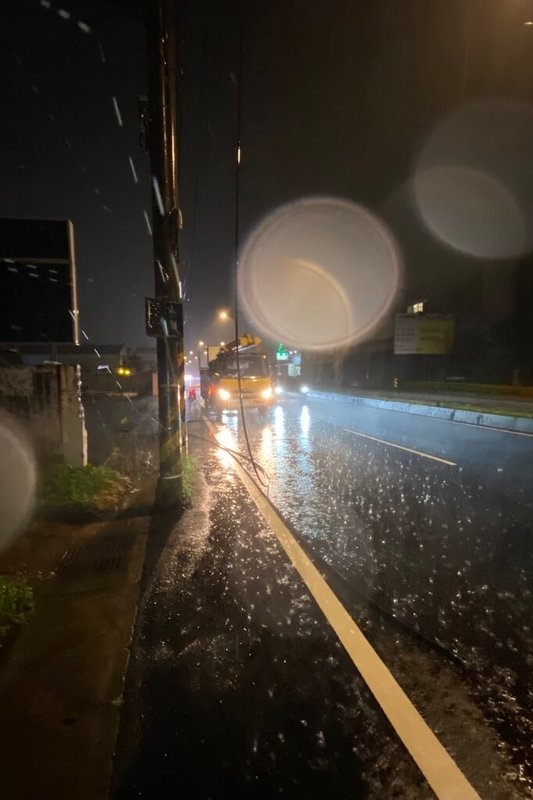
[104, 556]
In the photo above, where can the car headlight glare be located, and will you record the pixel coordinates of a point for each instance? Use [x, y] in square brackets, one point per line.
[224, 394]
[266, 393]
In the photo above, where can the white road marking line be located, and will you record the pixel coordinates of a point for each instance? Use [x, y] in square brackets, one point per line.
[401, 447]
[433, 760]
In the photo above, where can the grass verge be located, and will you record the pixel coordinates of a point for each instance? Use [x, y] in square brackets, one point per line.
[81, 490]
[189, 471]
[501, 390]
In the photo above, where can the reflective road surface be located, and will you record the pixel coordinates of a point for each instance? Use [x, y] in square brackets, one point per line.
[421, 527]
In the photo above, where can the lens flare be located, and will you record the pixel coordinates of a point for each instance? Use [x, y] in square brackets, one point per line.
[471, 211]
[473, 180]
[318, 273]
[18, 479]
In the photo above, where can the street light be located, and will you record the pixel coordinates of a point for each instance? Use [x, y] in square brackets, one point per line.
[224, 315]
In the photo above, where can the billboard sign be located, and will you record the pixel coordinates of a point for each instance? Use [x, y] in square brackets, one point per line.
[423, 334]
[38, 281]
[212, 352]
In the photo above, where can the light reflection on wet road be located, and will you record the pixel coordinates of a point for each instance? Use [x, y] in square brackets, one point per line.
[445, 549]
[237, 685]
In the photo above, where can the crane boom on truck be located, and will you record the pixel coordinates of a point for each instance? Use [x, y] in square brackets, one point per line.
[227, 381]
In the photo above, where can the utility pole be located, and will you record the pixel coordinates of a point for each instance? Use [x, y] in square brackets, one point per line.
[165, 311]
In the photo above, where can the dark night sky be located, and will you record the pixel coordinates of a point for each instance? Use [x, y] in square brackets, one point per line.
[336, 99]
[55, 89]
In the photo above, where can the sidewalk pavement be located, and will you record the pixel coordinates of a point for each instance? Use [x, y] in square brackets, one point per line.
[61, 680]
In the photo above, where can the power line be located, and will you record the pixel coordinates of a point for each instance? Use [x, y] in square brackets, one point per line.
[236, 232]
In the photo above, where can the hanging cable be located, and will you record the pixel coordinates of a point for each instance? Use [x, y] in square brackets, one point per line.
[241, 458]
[236, 261]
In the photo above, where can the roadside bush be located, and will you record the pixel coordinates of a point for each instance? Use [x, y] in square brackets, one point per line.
[81, 489]
[16, 602]
[189, 470]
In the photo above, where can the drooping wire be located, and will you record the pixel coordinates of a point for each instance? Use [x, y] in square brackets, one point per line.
[236, 232]
[241, 458]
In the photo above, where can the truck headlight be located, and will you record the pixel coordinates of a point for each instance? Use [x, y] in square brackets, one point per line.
[224, 394]
[266, 394]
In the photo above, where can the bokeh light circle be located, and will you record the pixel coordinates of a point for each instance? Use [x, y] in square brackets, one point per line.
[18, 478]
[473, 181]
[318, 273]
[471, 211]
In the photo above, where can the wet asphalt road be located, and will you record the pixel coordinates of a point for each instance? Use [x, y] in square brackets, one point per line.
[445, 549]
[238, 684]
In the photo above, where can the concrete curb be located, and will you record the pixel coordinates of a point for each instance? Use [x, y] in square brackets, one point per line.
[505, 422]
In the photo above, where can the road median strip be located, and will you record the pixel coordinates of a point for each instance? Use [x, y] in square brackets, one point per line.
[504, 421]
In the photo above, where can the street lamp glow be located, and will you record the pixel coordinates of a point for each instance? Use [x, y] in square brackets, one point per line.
[223, 315]
[201, 344]
[222, 344]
